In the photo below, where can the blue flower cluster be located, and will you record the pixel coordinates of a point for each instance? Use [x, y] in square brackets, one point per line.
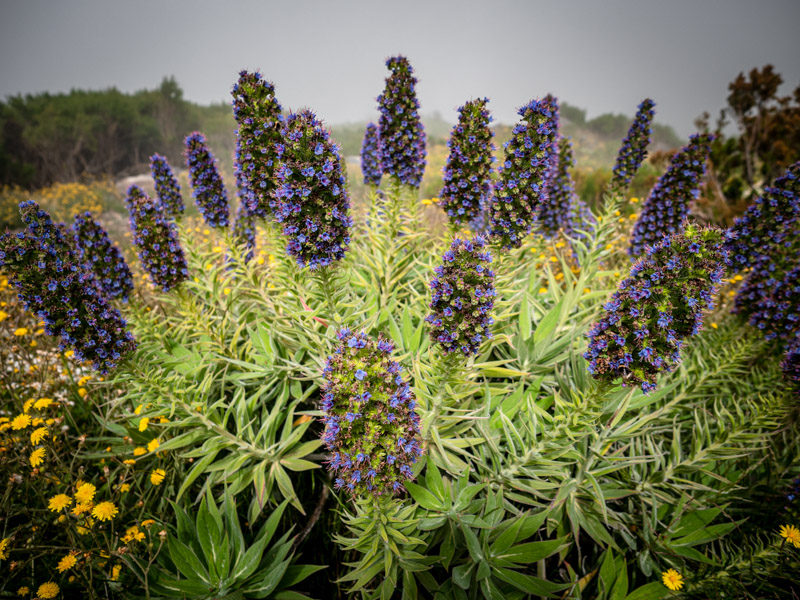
[656, 307]
[634, 148]
[371, 426]
[370, 156]
[791, 372]
[402, 148]
[155, 237]
[99, 254]
[462, 297]
[259, 117]
[312, 199]
[558, 210]
[168, 191]
[467, 177]
[769, 223]
[244, 230]
[777, 313]
[529, 159]
[666, 207]
[53, 283]
[207, 187]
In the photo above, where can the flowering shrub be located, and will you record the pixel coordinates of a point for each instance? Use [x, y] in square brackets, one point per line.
[51, 280]
[666, 207]
[370, 156]
[156, 240]
[402, 147]
[371, 427]
[168, 191]
[777, 314]
[462, 297]
[258, 115]
[656, 307]
[791, 366]
[634, 148]
[312, 200]
[468, 174]
[102, 256]
[208, 190]
[559, 210]
[522, 186]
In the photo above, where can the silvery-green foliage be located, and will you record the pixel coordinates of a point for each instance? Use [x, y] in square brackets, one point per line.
[536, 480]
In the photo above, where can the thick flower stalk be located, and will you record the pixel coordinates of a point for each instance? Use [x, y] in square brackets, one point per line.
[656, 307]
[370, 156]
[168, 191]
[467, 178]
[208, 190]
[777, 313]
[371, 426]
[402, 136]
[462, 297]
[529, 156]
[244, 230]
[98, 253]
[155, 237]
[556, 212]
[634, 148]
[51, 280]
[259, 118]
[313, 204]
[667, 205]
[769, 223]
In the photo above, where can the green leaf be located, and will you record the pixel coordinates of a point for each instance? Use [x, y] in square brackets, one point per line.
[423, 497]
[433, 479]
[654, 590]
[547, 324]
[524, 318]
[532, 551]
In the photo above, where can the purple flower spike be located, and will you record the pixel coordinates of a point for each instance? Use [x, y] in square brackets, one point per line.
[370, 156]
[168, 191]
[371, 425]
[207, 187]
[634, 148]
[98, 253]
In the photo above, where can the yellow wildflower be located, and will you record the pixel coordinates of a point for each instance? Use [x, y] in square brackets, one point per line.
[81, 508]
[138, 409]
[23, 591]
[143, 423]
[48, 590]
[42, 403]
[153, 445]
[38, 435]
[129, 461]
[157, 476]
[20, 422]
[115, 572]
[28, 403]
[59, 502]
[37, 457]
[85, 493]
[69, 353]
[139, 450]
[714, 325]
[20, 331]
[125, 487]
[4, 548]
[147, 522]
[3, 315]
[791, 533]
[82, 392]
[672, 579]
[66, 563]
[105, 511]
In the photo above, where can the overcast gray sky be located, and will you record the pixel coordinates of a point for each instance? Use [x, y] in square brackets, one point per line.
[329, 55]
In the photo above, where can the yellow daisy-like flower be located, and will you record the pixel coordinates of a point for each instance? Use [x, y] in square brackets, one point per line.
[42, 403]
[81, 508]
[59, 502]
[147, 522]
[66, 563]
[125, 487]
[139, 450]
[20, 331]
[3, 315]
[23, 591]
[138, 409]
[153, 445]
[20, 422]
[105, 511]
[28, 403]
[4, 548]
[157, 476]
[672, 579]
[115, 572]
[791, 533]
[48, 590]
[85, 493]
[143, 423]
[37, 457]
[82, 392]
[38, 435]
[129, 461]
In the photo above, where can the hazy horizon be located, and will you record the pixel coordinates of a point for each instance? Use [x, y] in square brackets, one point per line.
[602, 57]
